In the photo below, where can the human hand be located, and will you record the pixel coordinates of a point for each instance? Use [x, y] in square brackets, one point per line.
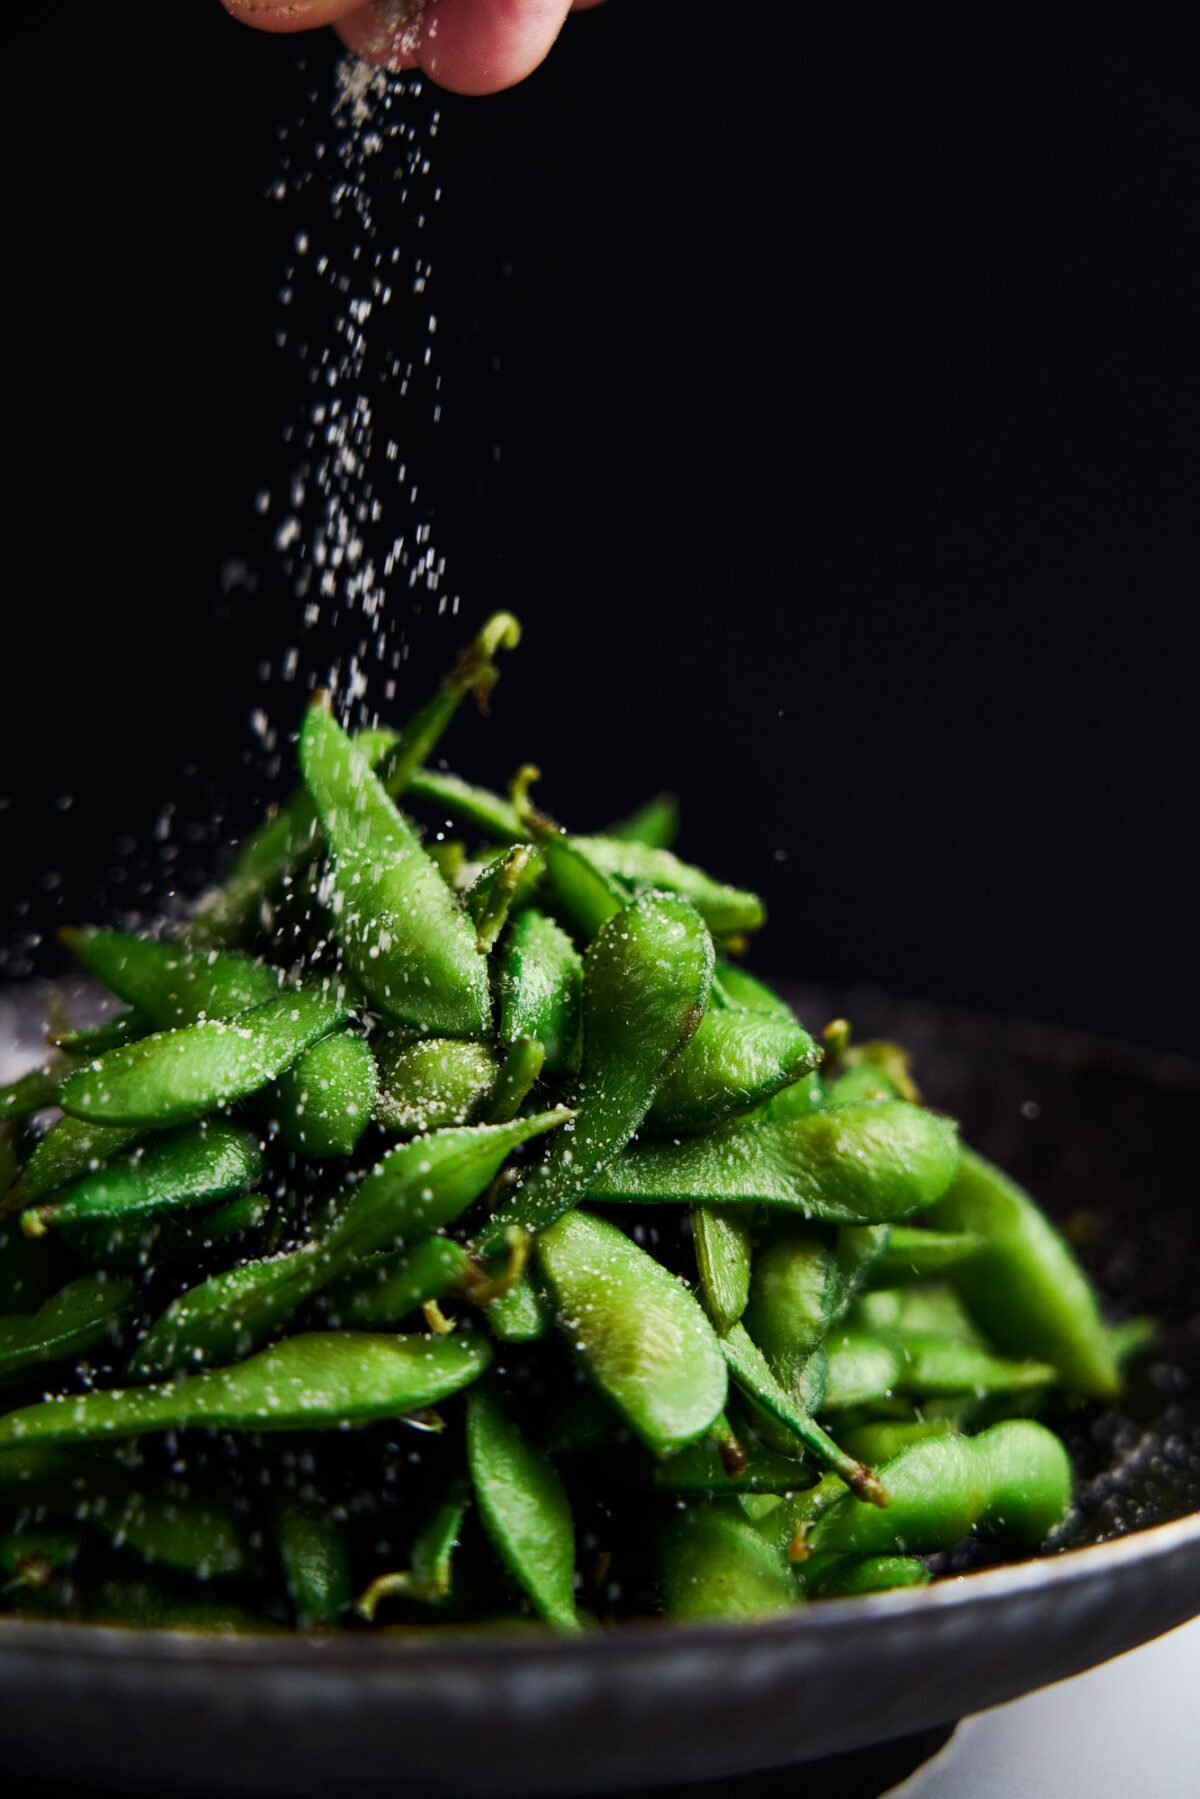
[468, 46]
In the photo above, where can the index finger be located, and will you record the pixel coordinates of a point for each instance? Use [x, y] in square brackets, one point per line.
[290, 15]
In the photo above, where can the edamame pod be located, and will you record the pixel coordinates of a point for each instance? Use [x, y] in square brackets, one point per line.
[87, 1041]
[71, 1147]
[176, 1076]
[82, 1316]
[324, 1380]
[521, 1315]
[433, 1082]
[316, 1564]
[291, 836]
[412, 1191]
[170, 984]
[524, 1508]
[430, 1578]
[737, 1059]
[324, 1101]
[856, 1164]
[164, 1523]
[1013, 1480]
[646, 982]
[838, 1576]
[638, 1331]
[714, 1564]
[655, 824]
[752, 1372]
[518, 1073]
[722, 1243]
[502, 886]
[914, 1253]
[701, 1470]
[1024, 1285]
[540, 988]
[166, 1238]
[385, 1290]
[186, 1168]
[863, 1368]
[32, 1092]
[741, 988]
[727, 911]
[404, 935]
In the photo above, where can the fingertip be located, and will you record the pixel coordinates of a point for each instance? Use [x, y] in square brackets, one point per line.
[467, 46]
[289, 15]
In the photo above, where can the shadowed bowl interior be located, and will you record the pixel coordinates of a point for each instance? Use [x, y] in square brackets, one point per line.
[1108, 1140]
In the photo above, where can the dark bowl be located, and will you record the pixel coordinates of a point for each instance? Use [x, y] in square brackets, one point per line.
[1108, 1138]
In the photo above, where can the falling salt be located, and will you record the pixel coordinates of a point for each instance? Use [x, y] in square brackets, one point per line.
[350, 531]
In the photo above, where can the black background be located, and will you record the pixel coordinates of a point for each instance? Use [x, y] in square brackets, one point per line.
[848, 410]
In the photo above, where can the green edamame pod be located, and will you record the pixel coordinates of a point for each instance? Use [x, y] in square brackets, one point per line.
[655, 824]
[646, 983]
[499, 889]
[914, 1253]
[474, 672]
[588, 895]
[82, 1316]
[879, 1442]
[521, 1315]
[185, 1168]
[714, 1564]
[540, 988]
[1024, 1285]
[727, 911]
[71, 1147]
[864, 1368]
[857, 1164]
[932, 1307]
[518, 1073]
[289, 839]
[722, 1244]
[34, 1091]
[795, 1293]
[164, 1239]
[741, 988]
[176, 1076]
[638, 1331]
[704, 1470]
[386, 1289]
[430, 1578]
[324, 1101]
[403, 934]
[324, 1380]
[90, 1040]
[164, 1523]
[413, 1191]
[752, 1372]
[487, 812]
[838, 1576]
[524, 1508]
[1132, 1338]
[1013, 1480]
[169, 984]
[433, 1082]
[316, 1564]
[737, 1059]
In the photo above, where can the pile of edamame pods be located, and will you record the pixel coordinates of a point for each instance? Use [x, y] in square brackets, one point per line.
[448, 1228]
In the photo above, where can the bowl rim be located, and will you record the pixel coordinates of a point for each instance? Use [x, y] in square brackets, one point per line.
[453, 1645]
